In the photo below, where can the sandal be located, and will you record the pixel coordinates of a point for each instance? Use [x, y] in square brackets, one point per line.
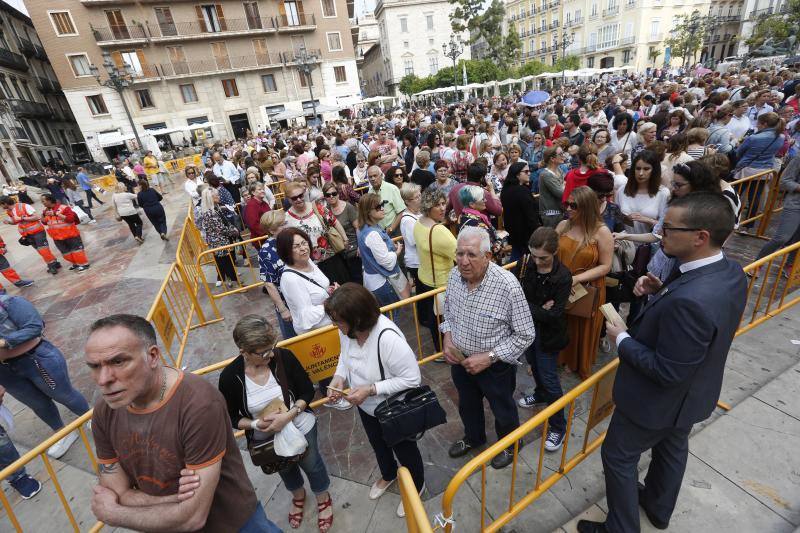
[324, 524]
[295, 519]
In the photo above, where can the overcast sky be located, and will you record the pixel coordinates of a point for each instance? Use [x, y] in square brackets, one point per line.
[17, 4]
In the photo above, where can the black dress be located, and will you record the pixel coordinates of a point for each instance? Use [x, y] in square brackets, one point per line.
[150, 202]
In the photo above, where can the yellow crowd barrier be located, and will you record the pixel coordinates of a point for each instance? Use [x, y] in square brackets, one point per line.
[760, 198]
[768, 294]
[416, 520]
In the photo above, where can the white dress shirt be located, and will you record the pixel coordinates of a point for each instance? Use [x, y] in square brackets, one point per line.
[304, 299]
[226, 171]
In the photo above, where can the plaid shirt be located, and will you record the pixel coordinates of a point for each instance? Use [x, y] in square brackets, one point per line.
[494, 316]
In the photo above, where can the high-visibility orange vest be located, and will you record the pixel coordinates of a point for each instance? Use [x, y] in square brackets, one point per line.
[59, 229]
[28, 227]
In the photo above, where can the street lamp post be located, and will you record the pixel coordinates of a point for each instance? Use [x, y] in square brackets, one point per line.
[566, 42]
[305, 64]
[453, 49]
[118, 79]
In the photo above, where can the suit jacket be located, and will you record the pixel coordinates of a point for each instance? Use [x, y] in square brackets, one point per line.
[670, 372]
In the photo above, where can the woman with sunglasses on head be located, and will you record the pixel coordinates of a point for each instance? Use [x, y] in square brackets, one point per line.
[347, 215]
[316, 220]
[397, 176]
[551, 187]
[586, 248]
[379, 255]
[261, 376]
[643, 199]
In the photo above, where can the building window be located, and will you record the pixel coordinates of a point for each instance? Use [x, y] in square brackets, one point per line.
[340, 74]
[433, 63]
[626, 57]
[654, 25]
[212, 17]
[334, 41]
[230, 88]
[590, 62]
[268, 81]
[80, 65]
[429, 22]
[409, 66]
[328, 8]
[404, 25]
[27, 91]
[305, 79]
[144, 99]
[252, 15]
[430, 41]
[188, 93]
[96, 104]
[63, 24]
[134, 59]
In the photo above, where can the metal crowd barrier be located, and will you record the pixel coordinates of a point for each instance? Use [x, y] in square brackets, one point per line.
[760, 197]
[318, 350]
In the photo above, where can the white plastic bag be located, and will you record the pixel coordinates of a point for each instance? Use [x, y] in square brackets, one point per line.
[82, 216]
[290, 441]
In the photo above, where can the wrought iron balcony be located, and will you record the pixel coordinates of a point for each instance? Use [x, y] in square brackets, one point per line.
[611, 11]
[26, 109]
[13, 60]
[296, 23]
[221, 64]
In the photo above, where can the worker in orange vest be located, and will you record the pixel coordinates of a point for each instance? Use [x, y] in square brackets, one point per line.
[10, 274]
[30, 227]
[61, 223]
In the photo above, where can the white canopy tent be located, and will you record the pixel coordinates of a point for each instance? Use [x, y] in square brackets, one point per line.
[325, 108]
[286, 115]
[164, 131]
[113, 138]
[374, 99]
[198, 126]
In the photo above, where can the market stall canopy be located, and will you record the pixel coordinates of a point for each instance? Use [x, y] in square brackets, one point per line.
[373, 99]
[473, 86]
[113, 138]
[164, 131]
[507, 81]
[199, 126]
[286, 115]
[325, 108]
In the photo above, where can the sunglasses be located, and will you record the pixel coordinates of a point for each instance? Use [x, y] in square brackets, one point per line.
[331, 194]
[570, 205]
[298, 197]
[381, 205]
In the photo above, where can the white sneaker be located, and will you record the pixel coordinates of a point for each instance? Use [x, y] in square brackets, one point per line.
[341, 405]
[218, 284]
[61, 447]
[93, 221]
[401, 512]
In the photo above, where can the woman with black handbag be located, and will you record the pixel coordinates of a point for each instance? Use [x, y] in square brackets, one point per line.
[377, 362]
[251, 384]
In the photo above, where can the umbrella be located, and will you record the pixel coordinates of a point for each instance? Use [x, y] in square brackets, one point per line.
[701, 71]
[533, 98]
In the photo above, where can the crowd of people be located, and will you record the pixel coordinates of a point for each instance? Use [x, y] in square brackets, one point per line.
[615, 191]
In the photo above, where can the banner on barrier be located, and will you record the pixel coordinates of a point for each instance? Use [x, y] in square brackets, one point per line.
[162, 320]
[318, 354]
[602, 402]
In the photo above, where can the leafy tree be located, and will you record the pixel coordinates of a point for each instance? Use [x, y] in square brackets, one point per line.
[469, 16]
[512, 46]
[408, 83]
[688, 35]
[566, 63]
[532, 68]
[652, 55]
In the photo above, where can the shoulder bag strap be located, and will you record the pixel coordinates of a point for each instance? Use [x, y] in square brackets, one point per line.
[315, 207]
[380, 363]
[282, 379]
[761, 152]
[430, 250]
[285, 270]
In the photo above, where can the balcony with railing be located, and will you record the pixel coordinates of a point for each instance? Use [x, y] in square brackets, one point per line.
[27, 48]
[611, 11]
[195, 29]
[574, 23]
[47, 86]
[655, 37]
[554, 5]
[768, 11]
[554, 25]
[12, 60]
[119, 34]
[19, 133]
[26, 109]
[630, 4]
[593, 15]
[221, 64]
[296, 23]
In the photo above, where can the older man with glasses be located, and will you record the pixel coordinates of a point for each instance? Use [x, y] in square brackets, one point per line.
[393, 203]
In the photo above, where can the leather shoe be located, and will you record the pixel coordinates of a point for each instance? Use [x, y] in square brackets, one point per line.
[658, 524]
[460, 448]
[589, 526]
[376, 492]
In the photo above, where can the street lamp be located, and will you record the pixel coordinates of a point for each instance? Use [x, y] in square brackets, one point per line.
[566, 42]
[118, 79]
[453, 49]
[306, 63]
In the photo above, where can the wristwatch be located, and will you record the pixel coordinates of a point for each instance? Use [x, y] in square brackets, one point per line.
[492, 357]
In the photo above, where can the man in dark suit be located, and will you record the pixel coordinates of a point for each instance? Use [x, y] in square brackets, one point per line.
[671, 363]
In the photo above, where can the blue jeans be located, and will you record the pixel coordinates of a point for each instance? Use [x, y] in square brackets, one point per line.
[312, 464]
[41, 379]
[544, 367]
[287, 328]
[9, 454]
[385, 294]
[259, 523]
[786, 234]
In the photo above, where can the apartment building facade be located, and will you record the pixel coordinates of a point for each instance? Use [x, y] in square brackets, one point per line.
[36, 124]
[412, 33]
[539, 26]
[231, 64]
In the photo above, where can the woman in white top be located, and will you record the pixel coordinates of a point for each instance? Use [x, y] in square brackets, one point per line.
[382, 274]
[643, 199]
[622, 136]
[360, 172]
[412, 196]
[264, 376]
[303, 285]
[125, 207]
[364, 336]
[676, 154]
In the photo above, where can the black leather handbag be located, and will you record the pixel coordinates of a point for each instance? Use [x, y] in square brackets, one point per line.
[407, 414]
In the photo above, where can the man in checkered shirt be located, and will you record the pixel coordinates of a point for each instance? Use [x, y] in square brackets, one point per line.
[487, 320]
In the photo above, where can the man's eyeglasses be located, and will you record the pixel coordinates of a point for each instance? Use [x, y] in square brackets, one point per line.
[665, 228]
[298, 197]
[333, 194]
